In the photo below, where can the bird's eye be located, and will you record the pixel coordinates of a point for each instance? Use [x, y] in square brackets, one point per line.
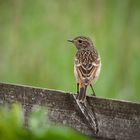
[80, 41]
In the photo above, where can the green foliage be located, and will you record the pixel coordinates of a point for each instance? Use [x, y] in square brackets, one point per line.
[11, 126]
[34, 50]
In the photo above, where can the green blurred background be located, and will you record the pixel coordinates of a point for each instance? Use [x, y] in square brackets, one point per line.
[34, 48]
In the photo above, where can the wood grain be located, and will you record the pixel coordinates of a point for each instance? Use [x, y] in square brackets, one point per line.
[117, 120]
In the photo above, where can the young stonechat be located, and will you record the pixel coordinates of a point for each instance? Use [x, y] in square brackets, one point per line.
[87, 65]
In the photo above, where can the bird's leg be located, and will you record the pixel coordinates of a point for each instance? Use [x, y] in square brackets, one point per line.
[77, 90]
[93, 92]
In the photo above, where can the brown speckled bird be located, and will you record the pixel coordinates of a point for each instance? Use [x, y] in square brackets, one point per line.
[87, 65]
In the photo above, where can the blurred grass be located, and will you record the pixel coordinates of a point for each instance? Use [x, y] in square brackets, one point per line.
[40, 128]
[34, 50]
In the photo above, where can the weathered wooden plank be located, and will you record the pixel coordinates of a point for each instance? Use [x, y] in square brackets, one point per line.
[119, 120]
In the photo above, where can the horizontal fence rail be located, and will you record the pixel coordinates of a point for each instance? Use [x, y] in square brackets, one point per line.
[116, 120]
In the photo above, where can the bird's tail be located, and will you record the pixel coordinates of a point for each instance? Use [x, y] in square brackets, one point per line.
[82, 94]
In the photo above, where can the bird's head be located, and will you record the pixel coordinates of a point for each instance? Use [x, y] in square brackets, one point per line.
[82, 42]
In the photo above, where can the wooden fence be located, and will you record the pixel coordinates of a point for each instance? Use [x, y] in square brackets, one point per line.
[99, 118]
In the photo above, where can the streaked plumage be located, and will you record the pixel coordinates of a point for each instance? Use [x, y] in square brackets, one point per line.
[87, 65]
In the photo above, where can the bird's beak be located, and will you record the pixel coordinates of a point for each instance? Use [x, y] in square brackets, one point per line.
[69, 40]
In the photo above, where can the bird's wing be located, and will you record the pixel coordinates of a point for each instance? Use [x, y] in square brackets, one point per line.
[87, 62]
